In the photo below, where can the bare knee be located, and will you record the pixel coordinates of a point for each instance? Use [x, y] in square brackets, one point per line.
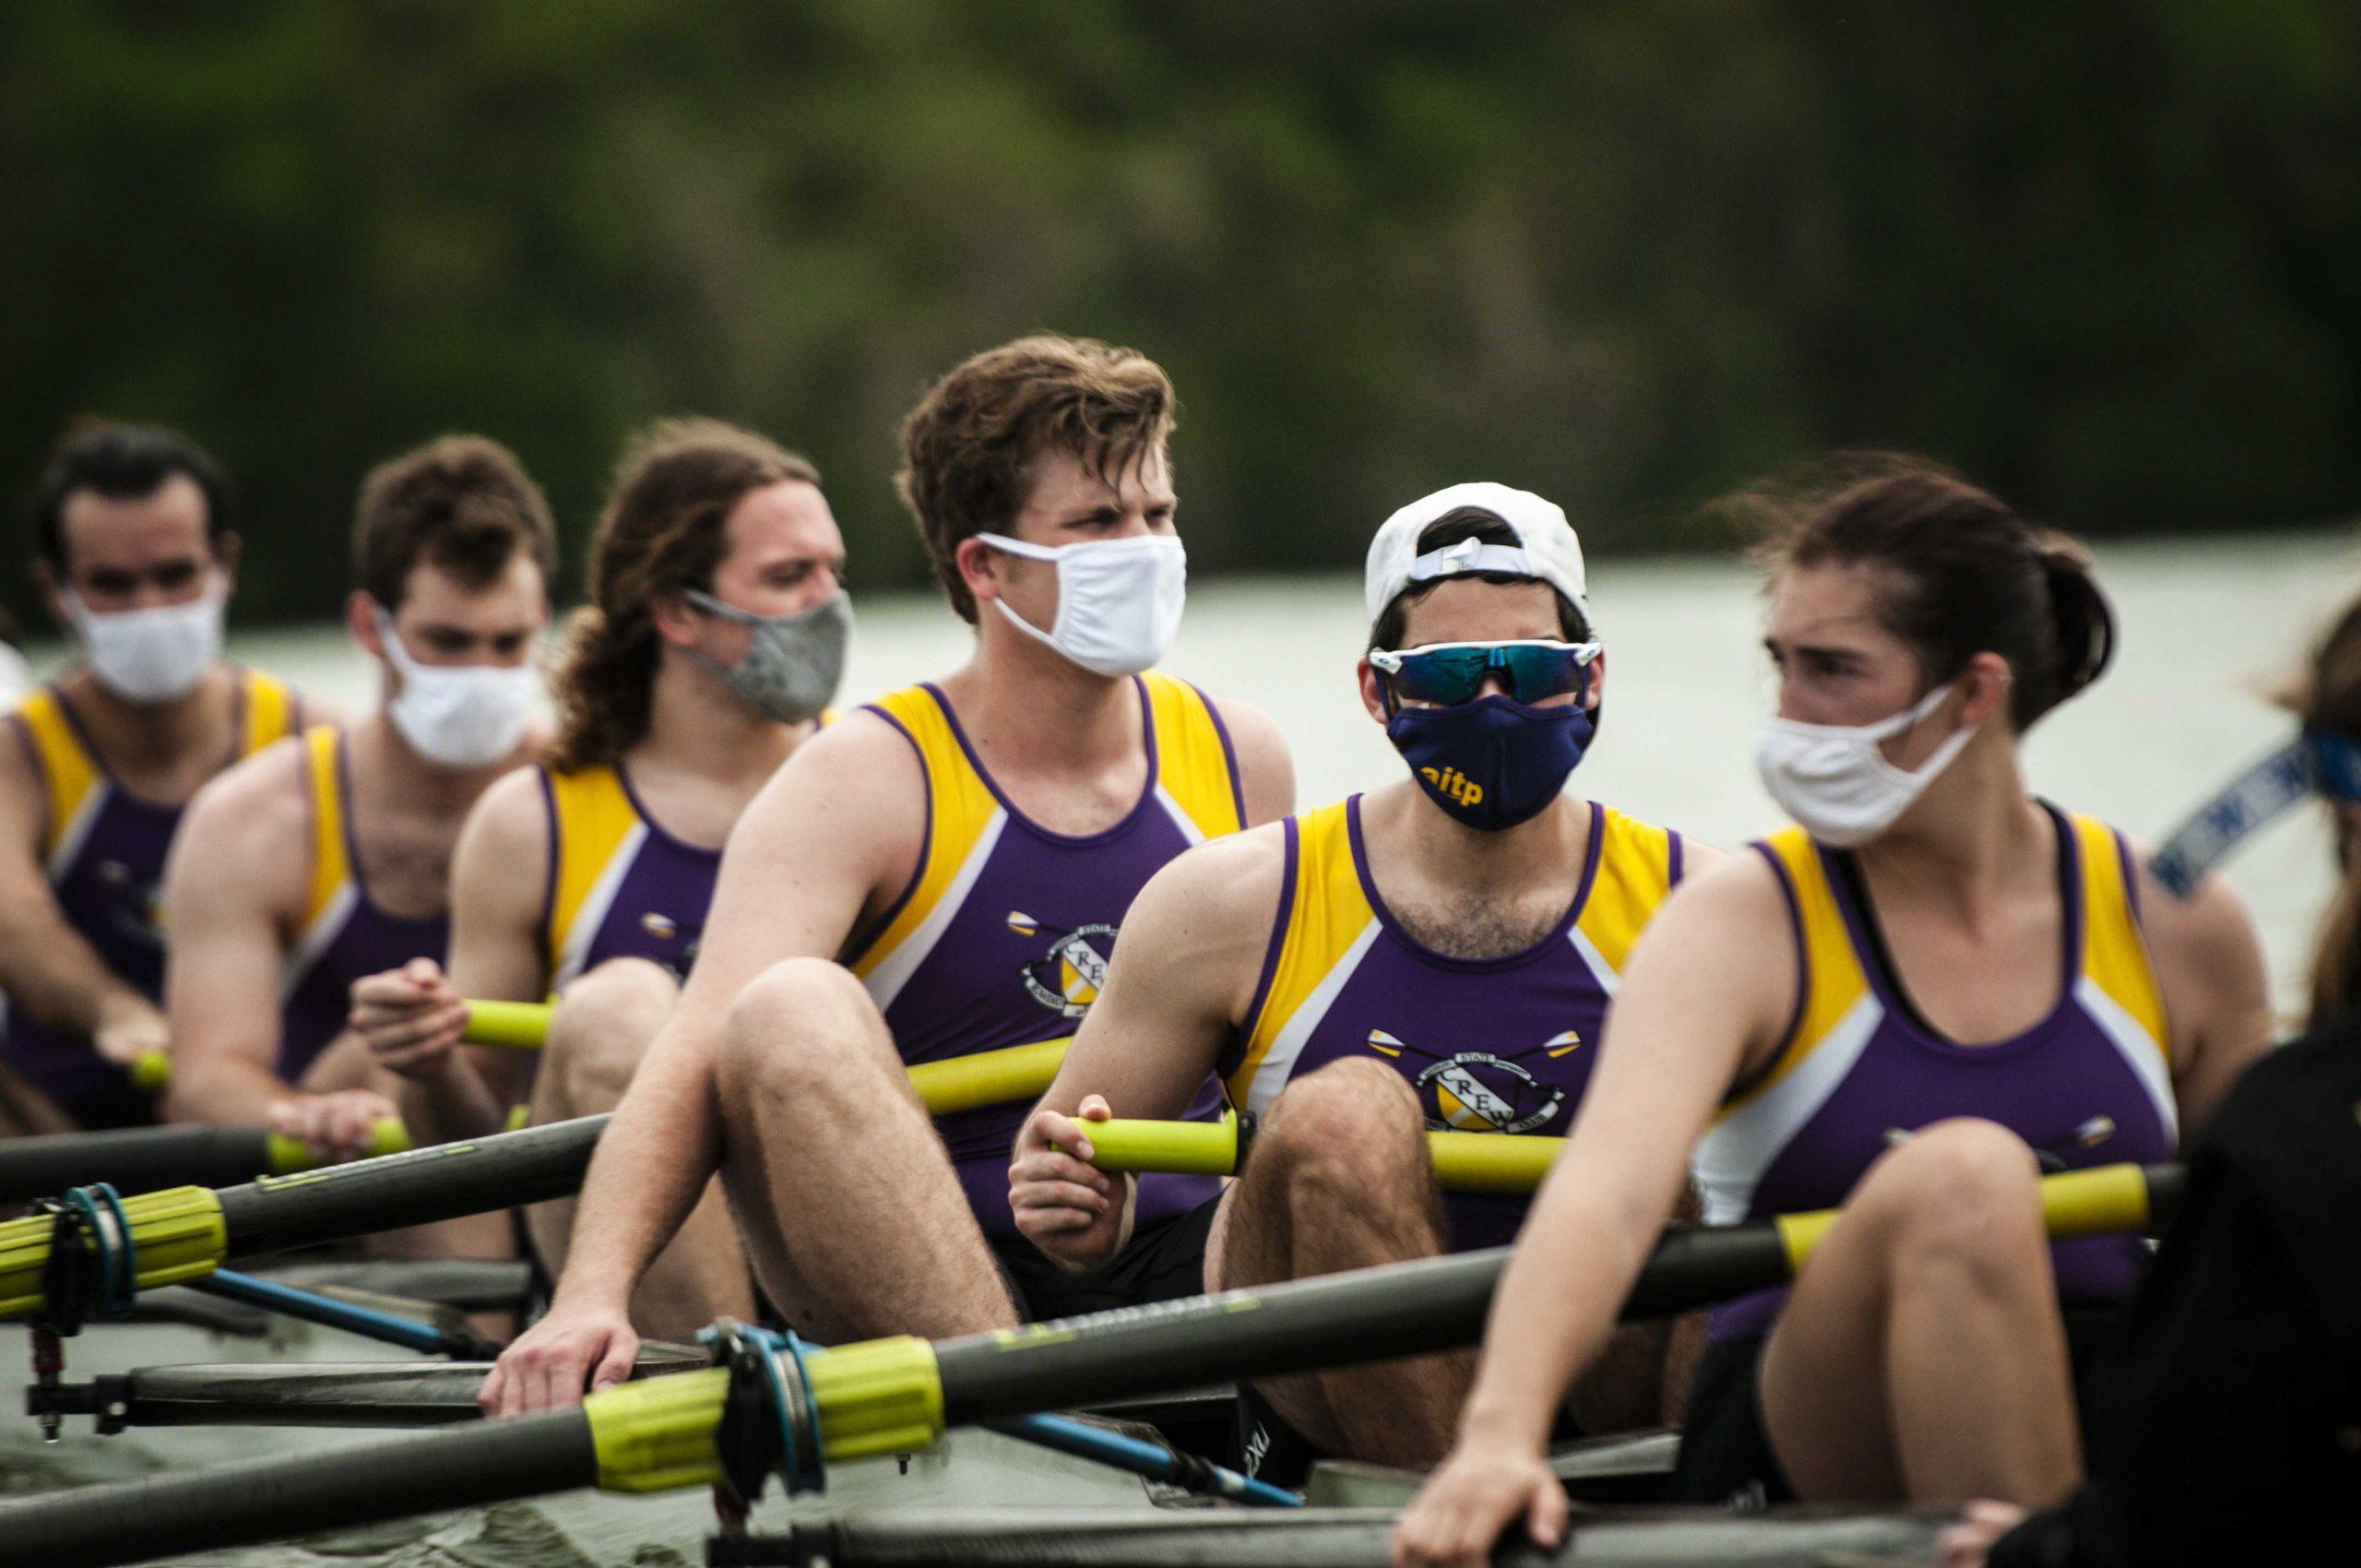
[1962, 1194]
[804, 1033]
[602, 1024]
[1352, 1126]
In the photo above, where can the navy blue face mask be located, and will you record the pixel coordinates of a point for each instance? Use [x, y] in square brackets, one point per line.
[1494, 762]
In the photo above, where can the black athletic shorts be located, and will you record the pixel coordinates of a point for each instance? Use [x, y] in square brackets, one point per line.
[1725, 1454]
[1159, 1265]
[1266, 1446]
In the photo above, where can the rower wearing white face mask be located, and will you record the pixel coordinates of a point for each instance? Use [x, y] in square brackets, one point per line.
[327, 858]
[942, 873]
[136, 553]
[1933, 988]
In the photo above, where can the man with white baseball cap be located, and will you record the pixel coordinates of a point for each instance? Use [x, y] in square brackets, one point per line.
[1435, 953]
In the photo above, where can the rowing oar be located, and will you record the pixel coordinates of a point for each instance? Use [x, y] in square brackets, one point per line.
[1464, 1162]
[962, 1083]
[882, 1396]
[141, 1159]
[184, 1231]
[520, 1025]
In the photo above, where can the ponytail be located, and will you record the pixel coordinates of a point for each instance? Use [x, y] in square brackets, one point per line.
[603, 686]
[2083, 624]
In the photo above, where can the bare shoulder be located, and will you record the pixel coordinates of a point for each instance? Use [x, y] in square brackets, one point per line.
[853, 798]
[1265, 765]
[256, 802]
[860, 767]
[2207, 939]
[1697, 856]
[509, 821]
[249, 828]
[1730, 901]
[312, 708]
[1231, 879]
[23, 793]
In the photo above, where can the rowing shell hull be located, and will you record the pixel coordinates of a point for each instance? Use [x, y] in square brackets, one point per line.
[570, 1530]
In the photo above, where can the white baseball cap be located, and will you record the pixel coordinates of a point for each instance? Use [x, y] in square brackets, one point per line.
[1546, 551]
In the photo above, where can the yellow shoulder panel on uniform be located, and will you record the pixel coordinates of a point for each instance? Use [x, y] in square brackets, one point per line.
[322, 747]
[959, 807]
[269, 711]
[593, 815]
[68, 771]
[1832, 980]
[2115, 955]
[1634, 879]
[1193, 763]
[1326, 913]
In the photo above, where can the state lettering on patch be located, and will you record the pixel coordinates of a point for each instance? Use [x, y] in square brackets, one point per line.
[1480, 1091]
[1069, 975]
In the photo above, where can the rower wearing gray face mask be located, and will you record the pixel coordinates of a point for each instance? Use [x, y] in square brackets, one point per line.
[793, 663]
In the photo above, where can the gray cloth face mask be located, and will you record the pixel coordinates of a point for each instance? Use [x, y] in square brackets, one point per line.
[793, 664]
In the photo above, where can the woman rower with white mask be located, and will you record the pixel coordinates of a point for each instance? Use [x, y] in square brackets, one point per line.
[1932, 990]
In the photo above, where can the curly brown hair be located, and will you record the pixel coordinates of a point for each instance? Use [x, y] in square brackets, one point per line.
[969, 446]
[460, 503]
[661, 533]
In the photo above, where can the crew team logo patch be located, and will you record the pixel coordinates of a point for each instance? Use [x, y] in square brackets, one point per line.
[1477, 1091]
[1067, 978]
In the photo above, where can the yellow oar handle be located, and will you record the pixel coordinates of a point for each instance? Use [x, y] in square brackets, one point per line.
[519, 1026]
[2100, 1201]
[989, 1077]
[1183, 1148]
[151, 1071]
[1464, 1162]
[386, 1135]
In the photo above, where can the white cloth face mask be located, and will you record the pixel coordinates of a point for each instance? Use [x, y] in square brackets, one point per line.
[1836, 784]
[1119, 600]
[465, 715]
[151, 656]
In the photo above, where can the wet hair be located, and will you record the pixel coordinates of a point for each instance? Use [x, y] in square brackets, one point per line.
[1486, 526]
[663, 532]
[1957, 572]
[461, 503]
[970, 449]
[123, 462]
[2327, 695]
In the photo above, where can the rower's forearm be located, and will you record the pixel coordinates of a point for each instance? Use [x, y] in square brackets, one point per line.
[1556, 1305]
[224, 1089]
[458, 1104]
[52, 975]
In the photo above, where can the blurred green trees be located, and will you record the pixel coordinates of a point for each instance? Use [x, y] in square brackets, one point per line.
[2106, 256]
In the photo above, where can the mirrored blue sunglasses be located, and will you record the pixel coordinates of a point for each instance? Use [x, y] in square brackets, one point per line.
[1452, 673]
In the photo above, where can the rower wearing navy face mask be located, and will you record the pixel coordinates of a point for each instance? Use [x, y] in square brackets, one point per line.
[1438, 952]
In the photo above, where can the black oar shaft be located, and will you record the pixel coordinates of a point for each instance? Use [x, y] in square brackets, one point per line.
[134, 1160]
[265, 1500]
[1342, 1319]
[417, 1188]
[364, 1394]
